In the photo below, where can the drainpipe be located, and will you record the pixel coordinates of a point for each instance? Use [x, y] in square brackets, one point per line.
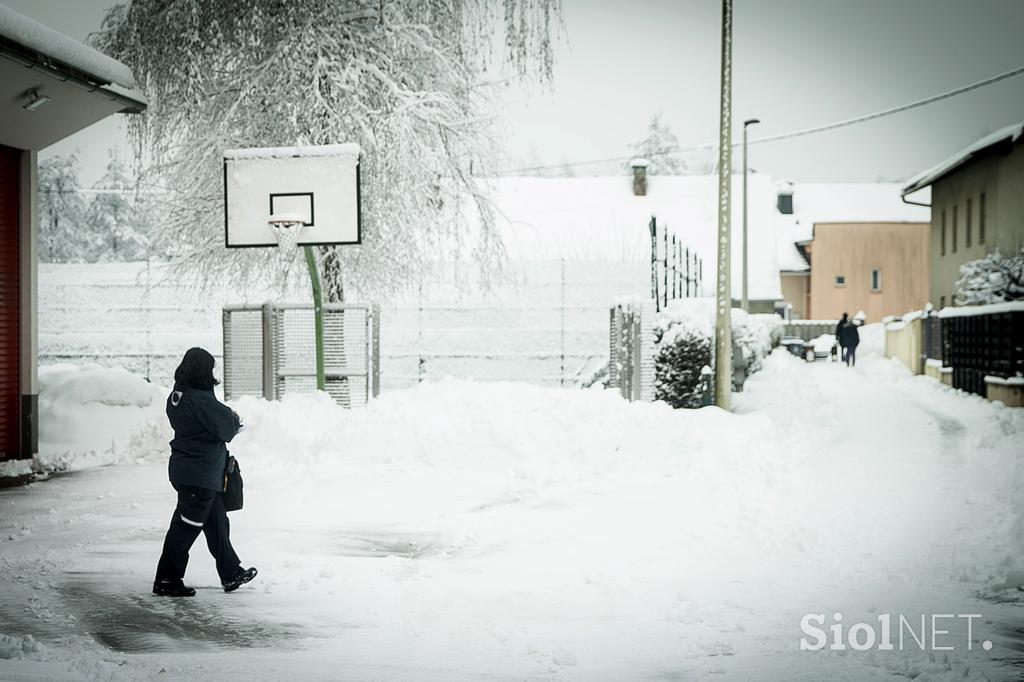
[905, 200]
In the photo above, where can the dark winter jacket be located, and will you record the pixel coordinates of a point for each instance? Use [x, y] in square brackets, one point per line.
[848, 334]
[839, 332]
[202, 425]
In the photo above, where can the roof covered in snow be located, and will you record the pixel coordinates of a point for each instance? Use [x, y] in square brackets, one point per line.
[600, 219]
[34, 36]
[1010, 134]
[843, 202]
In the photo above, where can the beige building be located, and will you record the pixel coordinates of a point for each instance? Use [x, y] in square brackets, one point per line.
[847, 247]
[878, 268]
[977, 199]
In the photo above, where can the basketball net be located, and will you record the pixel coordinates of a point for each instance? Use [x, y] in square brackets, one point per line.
[287, 234]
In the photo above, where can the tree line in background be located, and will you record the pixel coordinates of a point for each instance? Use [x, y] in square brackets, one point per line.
[107, 222]
[659, 146]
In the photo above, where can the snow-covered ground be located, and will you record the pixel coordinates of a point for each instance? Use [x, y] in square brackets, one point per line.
[491, 531]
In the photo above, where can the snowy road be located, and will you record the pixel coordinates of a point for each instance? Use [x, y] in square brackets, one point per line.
[466, 531]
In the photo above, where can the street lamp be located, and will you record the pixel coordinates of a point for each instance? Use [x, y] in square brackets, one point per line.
[745, 304]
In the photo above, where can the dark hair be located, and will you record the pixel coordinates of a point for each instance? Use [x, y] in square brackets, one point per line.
[195, 371]
[846, 315]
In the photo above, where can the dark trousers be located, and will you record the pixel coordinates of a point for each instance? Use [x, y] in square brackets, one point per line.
[851, 355]
[199, 511]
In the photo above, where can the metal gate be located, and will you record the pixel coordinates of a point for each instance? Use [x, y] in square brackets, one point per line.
[270, 351]
[631, 349]
[10, 305]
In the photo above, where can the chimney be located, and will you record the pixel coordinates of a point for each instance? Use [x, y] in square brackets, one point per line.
[639, 167]
[785, 198]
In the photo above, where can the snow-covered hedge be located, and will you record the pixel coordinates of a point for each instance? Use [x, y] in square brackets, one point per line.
[683, 337]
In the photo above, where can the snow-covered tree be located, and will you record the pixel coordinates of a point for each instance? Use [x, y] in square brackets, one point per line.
[405, 79]
[61, 211]
[658, 147]
[993, 279]
[117, 231]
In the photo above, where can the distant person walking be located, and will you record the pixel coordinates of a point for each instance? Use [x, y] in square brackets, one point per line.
[202, 425]
[849, 337]
[839, 334]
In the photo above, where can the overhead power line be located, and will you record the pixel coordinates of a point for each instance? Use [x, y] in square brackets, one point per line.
[796, 133]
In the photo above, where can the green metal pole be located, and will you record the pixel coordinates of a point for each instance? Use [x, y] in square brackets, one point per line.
[318, 315]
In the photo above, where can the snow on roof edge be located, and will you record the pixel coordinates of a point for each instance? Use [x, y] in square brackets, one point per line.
[1012, 132]
[349, 149]
[36, 36]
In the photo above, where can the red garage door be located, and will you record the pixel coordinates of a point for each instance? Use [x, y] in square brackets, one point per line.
[10, 422]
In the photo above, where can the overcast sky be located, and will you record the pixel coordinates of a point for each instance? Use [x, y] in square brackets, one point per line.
[797, 63]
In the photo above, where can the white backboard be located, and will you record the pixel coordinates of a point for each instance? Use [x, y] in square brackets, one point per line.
[319, 183]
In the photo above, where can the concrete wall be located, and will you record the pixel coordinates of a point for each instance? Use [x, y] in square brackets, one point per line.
[904, 341]
[852, 250]
[939, 373]
[1000, 177]
[794, 292]
[1010, 394]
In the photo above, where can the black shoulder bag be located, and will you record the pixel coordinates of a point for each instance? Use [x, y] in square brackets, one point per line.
[232, 485]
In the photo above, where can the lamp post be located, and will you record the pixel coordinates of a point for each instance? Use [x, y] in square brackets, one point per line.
[746, 300]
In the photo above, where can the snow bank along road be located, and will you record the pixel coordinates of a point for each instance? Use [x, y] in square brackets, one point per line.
[463, 531]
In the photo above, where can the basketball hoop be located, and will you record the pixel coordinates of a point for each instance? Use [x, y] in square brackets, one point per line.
[313, 195]
[287, 229]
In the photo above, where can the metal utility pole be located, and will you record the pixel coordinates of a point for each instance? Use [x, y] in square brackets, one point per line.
[723, 293]
[746, 300]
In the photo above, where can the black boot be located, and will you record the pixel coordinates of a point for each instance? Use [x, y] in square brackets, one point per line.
[239, 580]
[169, 588]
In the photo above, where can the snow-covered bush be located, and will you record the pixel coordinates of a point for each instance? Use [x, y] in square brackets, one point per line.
[757, 335]
[683, 336]
[683, 348]
[993, 279]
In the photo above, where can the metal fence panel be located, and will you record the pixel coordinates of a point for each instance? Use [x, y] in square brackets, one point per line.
[631, 350]
[932, 345]
[271, 351]
[243, 351]
[983, 344]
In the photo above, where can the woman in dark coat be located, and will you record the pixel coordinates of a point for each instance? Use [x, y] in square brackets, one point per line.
[202, 425]
[839, 334]
[849, 337]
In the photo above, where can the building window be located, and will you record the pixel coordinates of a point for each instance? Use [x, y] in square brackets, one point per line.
[942, 240]
[967, 226]
[981, 218]
[955, 216]
[840, 280]
[876, 279]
